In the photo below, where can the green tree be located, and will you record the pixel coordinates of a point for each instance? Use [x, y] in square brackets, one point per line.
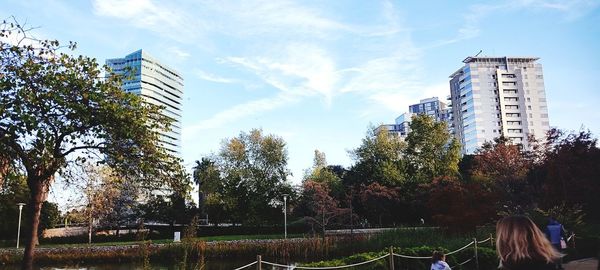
[321, 173]
[254, 172]
[56, 108]
[207, 177]
[431, 150]
[378, 160]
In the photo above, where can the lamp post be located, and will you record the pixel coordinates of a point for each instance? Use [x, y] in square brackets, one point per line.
[19, 227]
[285, 216]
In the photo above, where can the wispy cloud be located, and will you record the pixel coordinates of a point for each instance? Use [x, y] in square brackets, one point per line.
[247, 109]
[165, 18]
[213, 78]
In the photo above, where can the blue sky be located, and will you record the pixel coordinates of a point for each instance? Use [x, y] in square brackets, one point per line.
[318, 72]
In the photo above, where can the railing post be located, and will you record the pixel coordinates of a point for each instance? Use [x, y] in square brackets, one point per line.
[492, 240]
[476, 256]
[258, 262]
[391, 258]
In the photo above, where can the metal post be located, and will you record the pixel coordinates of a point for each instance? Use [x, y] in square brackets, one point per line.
[491, 240]
[391, 258]
[258, 262]
[19, 227]
[285, 216]
[476, 256]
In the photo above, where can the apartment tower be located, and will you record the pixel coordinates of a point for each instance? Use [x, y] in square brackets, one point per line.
[156, 84]
[494, 96]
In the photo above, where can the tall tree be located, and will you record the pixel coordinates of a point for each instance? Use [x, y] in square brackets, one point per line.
[207, 177]
[431, 150]
[56, 108]
[378, 159]
[571, 173]
[254, 171]
[505, 167]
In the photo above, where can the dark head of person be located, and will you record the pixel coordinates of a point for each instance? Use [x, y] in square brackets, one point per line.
[437, 256]
[522, 245]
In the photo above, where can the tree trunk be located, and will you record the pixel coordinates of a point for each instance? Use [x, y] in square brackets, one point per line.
[38, 193]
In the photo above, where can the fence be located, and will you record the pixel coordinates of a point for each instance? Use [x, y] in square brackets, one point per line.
[390, 256]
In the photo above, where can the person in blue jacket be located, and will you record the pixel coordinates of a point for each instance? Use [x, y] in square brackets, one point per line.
[555, 233]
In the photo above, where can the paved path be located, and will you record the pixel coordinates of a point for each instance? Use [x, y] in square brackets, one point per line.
[584, 264]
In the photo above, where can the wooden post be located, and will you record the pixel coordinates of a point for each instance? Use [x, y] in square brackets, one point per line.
[476, 256]
[258, 262]
[391, 258]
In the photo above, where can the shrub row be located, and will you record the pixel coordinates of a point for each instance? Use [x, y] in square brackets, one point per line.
[486, 257]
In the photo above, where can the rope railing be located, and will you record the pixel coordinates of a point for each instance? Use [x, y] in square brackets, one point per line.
[463, 263]
[483, 241]
[474, 243]
[461, 249]
[247, 265]
[326, 267]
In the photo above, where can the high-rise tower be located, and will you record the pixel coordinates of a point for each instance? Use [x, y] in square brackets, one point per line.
[156, 84]
[494, 96]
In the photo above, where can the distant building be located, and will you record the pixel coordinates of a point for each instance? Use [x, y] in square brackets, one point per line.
[432, 107]
[156, 84]
[494, 96]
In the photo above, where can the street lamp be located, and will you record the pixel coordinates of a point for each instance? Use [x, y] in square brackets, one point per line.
[285, 216]
[19, 228]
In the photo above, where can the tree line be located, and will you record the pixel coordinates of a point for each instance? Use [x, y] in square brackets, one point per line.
[420, 179]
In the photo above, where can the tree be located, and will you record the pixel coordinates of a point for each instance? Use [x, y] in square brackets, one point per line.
[321, 173]
[207, 177]
[318, 207]
[56, 108]
[431, 150]
[461, 205]
[505, 167]
[570, 173]
[380, 203]
[254, 170]
[378, 159]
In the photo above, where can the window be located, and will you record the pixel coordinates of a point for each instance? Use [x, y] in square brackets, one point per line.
[511, 99]
[515, 130]
[513, 115]
[528, 100]
[509, 76]
[509, 83]
[509, 91]
[511, 107]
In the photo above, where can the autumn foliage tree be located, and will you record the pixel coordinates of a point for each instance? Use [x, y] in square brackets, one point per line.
[319, 208]
[57, 109]
[459, 205]
[379, 203]
[505, 167]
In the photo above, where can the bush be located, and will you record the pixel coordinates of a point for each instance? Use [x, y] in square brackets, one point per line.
[487, 259]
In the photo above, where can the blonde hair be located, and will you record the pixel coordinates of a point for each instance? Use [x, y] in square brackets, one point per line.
[518, 238]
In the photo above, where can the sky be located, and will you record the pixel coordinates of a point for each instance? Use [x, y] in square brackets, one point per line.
[319, 73]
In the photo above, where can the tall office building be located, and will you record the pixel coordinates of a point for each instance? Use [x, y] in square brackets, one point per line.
[494, 96]
[156, 84]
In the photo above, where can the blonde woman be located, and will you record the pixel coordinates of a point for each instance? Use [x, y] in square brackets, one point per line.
[522, 246]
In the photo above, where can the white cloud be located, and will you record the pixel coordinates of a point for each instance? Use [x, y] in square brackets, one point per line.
[242, 110]
[213, 78]
[165, 19]
[302, 70]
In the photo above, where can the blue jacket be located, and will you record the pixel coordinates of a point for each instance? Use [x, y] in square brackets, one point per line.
[554, 231]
